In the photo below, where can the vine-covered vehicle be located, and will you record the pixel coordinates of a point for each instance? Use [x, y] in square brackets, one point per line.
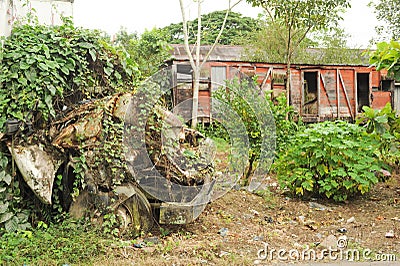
[64, 92]
[87, 151]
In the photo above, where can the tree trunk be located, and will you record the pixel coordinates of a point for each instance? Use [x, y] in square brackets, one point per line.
[288, 84]
[195, 61]
[195, 106]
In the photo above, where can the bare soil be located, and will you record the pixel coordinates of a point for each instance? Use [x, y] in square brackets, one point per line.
[235, 229]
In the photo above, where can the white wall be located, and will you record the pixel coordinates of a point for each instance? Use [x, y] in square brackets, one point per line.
[5, 18]
[49, 12]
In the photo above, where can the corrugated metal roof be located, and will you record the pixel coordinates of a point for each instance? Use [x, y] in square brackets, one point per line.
[220, 53]
[233, 53]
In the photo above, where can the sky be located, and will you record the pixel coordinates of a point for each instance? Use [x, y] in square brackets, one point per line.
[136, 16]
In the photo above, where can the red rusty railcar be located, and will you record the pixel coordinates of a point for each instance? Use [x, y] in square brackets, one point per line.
[317, 92]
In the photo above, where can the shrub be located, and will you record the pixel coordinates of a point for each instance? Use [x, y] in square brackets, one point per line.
[287, 121]
[243, 98]
[384, 126]
[47, 68]
[330, 159]
[44, 72]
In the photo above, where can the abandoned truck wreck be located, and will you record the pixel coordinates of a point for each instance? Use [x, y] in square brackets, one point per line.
[86, 148]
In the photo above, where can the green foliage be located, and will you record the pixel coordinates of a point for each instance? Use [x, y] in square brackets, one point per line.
[387, 11]
[387, 56]
[330, 159]
[319, 46]
[45, 68]
[266, 43]
[242, 97]
[238, 104]
[110, 224]
[287, 121]
[236, 27]
[70, 242]
[215, 130]
[376, 120]
[317, 14]
[80, 167]
[384, 126]
[295, 19]
[331, 48]
[12, 216]
[149, 50]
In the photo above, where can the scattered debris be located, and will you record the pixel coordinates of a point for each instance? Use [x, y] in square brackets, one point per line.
[258, 262]
[351, 220]
[317, 206]
[139, 245]
[223, 253]
[255, 213]
[390, 234]
[154, 240]
[223, 232]
[311, 224]
[396, 219]
[330, 242]
[301, 218]
[268, 219]
[386, 174]
[258, 238]
[297, 245]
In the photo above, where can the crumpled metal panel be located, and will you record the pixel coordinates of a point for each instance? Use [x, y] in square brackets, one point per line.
[120, 105]
[83, 133]
[38, 168]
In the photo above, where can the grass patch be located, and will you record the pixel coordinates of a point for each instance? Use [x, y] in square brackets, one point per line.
[70, 242]
[221, 144]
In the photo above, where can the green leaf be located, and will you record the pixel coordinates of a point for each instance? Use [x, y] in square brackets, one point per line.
[30, 74]
[43, 67]
[7, 178]
[86, 45]
[5, 217]
[12, 224]
[46, 50]
[52, 90]
[23, 81]
[92, 53]
[24, 65]
[108, 71]
[3, 207]
[65, 70]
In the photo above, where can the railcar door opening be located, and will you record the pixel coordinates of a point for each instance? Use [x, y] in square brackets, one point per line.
[310, 93]
[363, 93]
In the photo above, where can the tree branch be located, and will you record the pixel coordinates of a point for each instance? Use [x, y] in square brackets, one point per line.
[230, 7]
[198, 42]
[186, 36]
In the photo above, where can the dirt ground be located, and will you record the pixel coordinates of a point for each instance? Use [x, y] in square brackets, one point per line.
[243, 228]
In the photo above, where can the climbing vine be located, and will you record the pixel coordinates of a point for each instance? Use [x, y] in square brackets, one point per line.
[45, 72]
[47, 69]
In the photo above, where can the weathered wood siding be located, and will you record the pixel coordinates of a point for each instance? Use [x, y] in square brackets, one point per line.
[337, 88]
